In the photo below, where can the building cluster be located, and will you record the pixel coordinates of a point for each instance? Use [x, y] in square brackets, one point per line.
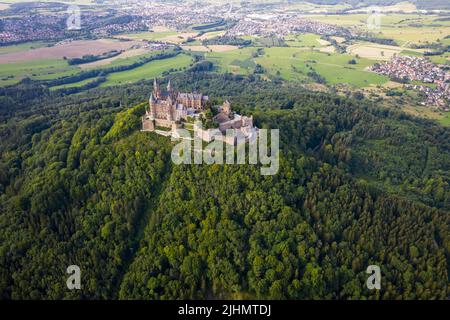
[32, 28]
[174, 15]
[53, 27]
[171, 110]
[283, 24]
[135, 25]
[410, 68]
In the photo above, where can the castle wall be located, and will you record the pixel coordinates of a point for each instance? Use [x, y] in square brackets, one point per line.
[163, 123]
[147, 125]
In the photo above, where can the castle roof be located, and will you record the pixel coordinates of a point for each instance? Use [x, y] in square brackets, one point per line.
[192, 96]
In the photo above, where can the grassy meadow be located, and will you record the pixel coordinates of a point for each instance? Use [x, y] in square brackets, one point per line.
[149, 70]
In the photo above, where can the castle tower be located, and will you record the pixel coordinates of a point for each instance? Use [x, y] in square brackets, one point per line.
[152, 111]
[169, 88]
[156, 90]
[226, 107]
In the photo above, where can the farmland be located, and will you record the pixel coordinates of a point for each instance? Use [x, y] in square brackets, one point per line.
[41, 69]
[148, 70]
[403, 28]
[70, 49]
[296, 63]
[74, 85]
[22, 47]
[379, 52]
[165, 36]
[303, 40]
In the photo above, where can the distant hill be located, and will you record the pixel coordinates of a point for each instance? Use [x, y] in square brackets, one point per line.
[421, 4]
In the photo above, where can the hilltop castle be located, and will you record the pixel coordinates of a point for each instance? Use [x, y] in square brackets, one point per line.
[172, 110]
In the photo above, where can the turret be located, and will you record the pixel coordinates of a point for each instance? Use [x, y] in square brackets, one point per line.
[151, 111]
[156, 91]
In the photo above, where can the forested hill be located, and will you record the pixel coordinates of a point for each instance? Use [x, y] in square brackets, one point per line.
[357, 185]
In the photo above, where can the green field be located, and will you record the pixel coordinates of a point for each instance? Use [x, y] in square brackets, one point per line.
[404, 28]
[129, 60]
[74, 84]
[292, 63]
[48, 69]
[148, 70]
[22, 47]
[36, 69]
[295, 63]
[236, 61]
[303, 40]
[149, 35]
[445, 120]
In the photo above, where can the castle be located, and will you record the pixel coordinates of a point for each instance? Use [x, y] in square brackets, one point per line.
[173, 110]
[170, 109]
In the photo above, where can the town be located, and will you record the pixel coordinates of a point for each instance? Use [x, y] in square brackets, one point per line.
[435, 78]
[283, 24]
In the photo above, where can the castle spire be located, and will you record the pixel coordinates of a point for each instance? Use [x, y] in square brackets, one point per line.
[156, 91]
[169, 87]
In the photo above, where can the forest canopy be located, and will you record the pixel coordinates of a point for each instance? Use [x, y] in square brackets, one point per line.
[357, 185]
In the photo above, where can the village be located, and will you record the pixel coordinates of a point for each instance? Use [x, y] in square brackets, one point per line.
[283, 24]
[434, 80]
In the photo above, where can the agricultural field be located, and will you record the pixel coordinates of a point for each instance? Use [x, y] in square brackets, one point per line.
[126, 57]
[23, 47]
[291, 63]
[295, 64]
[74, 84]
[209, 48]
[39, 62]
[316, 8]
[304, 40]
[77, 2]
[404, 28]
[238, 61]
[41, 69]
[4, 6]
[445, 120]
[379, 52]
[149, 70]
[163, 36]
[69, 49]
[406, 7]
[442, 59]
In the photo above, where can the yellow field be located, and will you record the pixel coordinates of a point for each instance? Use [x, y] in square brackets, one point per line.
[405, 7]
[123, 55]
[415, 35]
[179, 37]
[164, 36]
[375, 51]
[210, 48]
[198, 48]
[69, 49]
[209, 35]
[404, 28]
[339, 39]
[329, 49]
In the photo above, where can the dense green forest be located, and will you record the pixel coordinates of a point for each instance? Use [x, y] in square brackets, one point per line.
[357, 185]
